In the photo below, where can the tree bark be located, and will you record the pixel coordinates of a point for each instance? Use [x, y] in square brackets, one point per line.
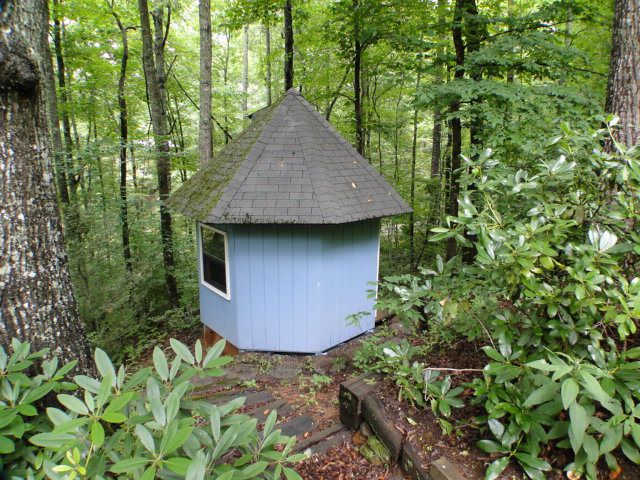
[204, 130]
[124, 140]
[153, 64]
[623, 90]
[267, 45]
[357, 87]
[288, 46]
[37, 302]
[245, 70]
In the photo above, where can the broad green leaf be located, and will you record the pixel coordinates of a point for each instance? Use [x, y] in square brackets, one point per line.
[541, 395]
[160, 363]
[198, 466]
[72, 403]
[97, 433]
[145, 438]
[496, 468]
[105, 367]
[291, 474]
[51, 440]
[182, 351]
[579, 423]
[569, 391]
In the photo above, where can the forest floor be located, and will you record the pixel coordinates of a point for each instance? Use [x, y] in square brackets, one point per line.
[309, 385]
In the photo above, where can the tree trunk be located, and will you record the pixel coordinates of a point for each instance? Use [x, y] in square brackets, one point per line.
[124, 140]
[245, 70]
[225, 80]
[59, 163]
[64, 101]
[267, 44]
[414, 154]
[623, 90]
[456, 123]
[436, 143]
[204, 130]
[37, 301]
[154, 75]
[357, 87]
[288, 46]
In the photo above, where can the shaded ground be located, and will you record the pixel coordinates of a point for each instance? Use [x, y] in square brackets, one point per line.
[307, 386]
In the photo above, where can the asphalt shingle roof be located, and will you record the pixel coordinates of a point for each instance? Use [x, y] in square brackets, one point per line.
[288, 166]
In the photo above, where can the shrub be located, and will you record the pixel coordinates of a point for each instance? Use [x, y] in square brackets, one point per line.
[554, 290]
[142, 425]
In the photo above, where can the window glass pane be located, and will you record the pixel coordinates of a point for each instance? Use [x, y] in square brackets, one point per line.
[213, 259]
[213, 243]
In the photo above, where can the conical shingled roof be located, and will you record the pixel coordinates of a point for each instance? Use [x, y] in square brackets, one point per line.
[288, 166]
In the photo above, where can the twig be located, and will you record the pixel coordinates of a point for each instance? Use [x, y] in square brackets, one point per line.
[438, 369]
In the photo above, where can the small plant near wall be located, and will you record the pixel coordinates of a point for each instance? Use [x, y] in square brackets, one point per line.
[553, 291]
[141, 425]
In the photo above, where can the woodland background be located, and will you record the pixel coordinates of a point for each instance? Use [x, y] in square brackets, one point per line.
[412, 83]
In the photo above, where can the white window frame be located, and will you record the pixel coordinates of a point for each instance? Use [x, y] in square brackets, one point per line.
[227, 295]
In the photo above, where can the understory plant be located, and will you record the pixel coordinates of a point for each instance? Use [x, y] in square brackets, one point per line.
[553, 290]
[139, 425]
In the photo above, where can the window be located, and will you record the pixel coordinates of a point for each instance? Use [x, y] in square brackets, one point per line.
[214, 271]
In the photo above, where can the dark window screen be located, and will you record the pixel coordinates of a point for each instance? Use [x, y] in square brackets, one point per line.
[213, 259]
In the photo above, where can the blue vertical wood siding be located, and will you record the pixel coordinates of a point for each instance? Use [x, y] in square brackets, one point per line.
[292, 286]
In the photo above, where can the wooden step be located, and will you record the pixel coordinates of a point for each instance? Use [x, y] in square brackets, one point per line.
[297, 426]
[318, 437]
[337, 439]
[260, 413]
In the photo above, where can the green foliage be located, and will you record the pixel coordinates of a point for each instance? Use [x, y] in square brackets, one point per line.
[140, 425]
[555, 276]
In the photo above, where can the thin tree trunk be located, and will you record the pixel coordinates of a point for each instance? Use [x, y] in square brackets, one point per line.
[154, 75]
[456, 123]
[124, 140]
[225, 79]
[357, 87]
[332, 103]
[414, 154]
[60, 166]
[267, 45]
[64, 101]
[245, 70]
[37, 302]
[623, 90]
[436, 143]
[204, 131]
[288, 46]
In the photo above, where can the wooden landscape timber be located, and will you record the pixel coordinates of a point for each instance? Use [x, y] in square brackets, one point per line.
[359, 402]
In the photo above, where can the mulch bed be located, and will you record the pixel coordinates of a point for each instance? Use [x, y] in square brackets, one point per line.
[460, 447]
[342, 463]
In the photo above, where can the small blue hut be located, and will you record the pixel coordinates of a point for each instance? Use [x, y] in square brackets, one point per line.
[288, 229]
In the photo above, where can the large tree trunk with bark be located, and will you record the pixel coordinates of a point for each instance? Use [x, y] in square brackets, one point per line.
[153, 64]
[204, 135]
[623, 92]
[288, 46]
[37, 302]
